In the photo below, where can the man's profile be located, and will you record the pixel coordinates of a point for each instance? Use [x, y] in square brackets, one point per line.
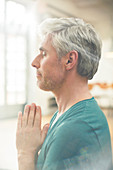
[77, 137]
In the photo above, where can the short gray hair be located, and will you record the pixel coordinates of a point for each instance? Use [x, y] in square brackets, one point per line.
[74, 34]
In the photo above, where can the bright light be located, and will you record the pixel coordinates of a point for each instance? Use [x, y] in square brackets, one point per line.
[2, 5]
[109, 55]
[15, 13]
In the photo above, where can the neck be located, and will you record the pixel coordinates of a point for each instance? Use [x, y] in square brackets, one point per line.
[71, 93]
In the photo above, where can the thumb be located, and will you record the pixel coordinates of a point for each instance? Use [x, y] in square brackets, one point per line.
[44, 132]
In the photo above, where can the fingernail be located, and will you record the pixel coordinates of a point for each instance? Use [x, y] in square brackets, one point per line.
[37, 107]
[26, 107]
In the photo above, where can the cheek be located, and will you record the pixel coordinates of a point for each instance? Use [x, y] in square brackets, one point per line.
[47, 65]
[51, 69]
[43, 65]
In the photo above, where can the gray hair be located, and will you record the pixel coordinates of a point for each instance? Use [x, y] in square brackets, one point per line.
[74, 34]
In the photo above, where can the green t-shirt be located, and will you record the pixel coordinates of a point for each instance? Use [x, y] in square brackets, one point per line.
[79, 140]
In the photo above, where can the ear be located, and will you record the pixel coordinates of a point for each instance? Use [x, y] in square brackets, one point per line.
[71, 59]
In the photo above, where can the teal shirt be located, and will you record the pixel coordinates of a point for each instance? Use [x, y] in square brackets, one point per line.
[80, 140]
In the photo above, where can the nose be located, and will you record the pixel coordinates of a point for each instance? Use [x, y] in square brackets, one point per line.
[36, 63]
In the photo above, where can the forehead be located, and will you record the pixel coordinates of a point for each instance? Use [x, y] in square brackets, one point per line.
[47, 43]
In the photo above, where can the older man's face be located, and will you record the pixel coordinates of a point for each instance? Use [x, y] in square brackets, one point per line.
[50, 70]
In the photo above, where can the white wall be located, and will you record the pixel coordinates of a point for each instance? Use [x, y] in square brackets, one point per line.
[105, 70]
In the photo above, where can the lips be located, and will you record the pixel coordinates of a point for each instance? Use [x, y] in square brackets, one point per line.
[38, 74]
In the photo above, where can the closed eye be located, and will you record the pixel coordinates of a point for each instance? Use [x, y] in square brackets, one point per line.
[43, 51]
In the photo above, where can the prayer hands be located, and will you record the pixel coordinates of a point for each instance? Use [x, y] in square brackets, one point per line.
[29, 136]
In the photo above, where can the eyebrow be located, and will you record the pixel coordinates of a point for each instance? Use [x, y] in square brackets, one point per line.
[42, 49]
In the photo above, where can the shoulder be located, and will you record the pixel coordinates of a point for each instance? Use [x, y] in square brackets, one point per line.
[73, 127]
[75, 132]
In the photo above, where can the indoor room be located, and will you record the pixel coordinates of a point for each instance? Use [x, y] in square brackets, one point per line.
[19, 45]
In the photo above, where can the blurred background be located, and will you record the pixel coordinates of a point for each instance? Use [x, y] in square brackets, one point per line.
[19, 43]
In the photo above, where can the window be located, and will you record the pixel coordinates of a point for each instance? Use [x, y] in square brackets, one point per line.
[13, 60]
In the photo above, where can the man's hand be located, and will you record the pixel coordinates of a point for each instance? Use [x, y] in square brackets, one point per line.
[29, 136]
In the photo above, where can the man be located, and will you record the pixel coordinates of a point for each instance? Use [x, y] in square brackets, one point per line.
[78, 136]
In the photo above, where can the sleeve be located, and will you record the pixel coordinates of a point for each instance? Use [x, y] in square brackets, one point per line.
[74, 145]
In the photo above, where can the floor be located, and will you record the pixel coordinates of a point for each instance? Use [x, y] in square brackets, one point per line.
[8, 153]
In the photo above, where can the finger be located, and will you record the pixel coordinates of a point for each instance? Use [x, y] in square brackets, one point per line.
[31, 115]
[44, 132]
[25, 116]
[19, 122]
[37, 120]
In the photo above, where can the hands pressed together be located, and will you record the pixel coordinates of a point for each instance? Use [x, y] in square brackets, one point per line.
[29, 136]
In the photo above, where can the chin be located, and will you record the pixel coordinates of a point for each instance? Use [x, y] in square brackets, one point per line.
[42, 87]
